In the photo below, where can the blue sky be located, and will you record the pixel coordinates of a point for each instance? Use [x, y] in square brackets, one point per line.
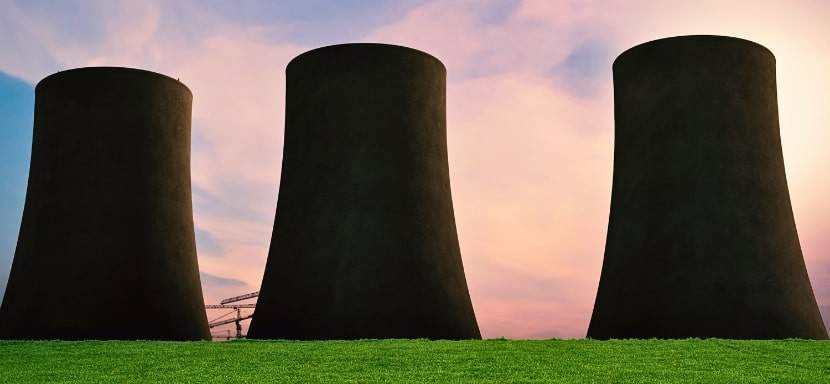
[16, 110]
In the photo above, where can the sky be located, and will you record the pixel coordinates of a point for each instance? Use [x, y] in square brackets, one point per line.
[529, 117]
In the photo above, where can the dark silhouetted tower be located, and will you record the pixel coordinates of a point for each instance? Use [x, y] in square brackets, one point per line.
[701, 238]
[106, 248]
[364, 242]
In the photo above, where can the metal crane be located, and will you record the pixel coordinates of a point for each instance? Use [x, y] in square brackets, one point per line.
[224, 304]
[240, 298]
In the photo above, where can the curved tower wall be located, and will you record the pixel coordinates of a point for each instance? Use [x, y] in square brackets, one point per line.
[364, 242]
[701, 237]
[106, 248]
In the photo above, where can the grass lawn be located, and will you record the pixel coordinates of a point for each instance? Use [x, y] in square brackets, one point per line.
[418, 361]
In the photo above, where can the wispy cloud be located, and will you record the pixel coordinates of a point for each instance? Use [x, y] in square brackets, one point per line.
[219, 281]
[585, 70]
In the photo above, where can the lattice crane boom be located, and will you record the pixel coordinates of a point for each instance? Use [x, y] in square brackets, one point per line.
[228, 321]
[232, 306]
[240, 298]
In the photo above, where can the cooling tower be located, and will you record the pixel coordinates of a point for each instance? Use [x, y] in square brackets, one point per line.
[364, 242]
[701, 237]
[106, 248]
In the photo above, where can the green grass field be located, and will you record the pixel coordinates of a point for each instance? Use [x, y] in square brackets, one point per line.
[418, 361]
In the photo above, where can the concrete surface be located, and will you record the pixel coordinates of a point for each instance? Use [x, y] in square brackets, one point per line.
[364, 242]
[106, 247]
[701, 238]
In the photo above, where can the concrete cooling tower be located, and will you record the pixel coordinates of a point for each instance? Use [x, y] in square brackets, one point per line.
[701, 238]
[106, 248]
[364, 242]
